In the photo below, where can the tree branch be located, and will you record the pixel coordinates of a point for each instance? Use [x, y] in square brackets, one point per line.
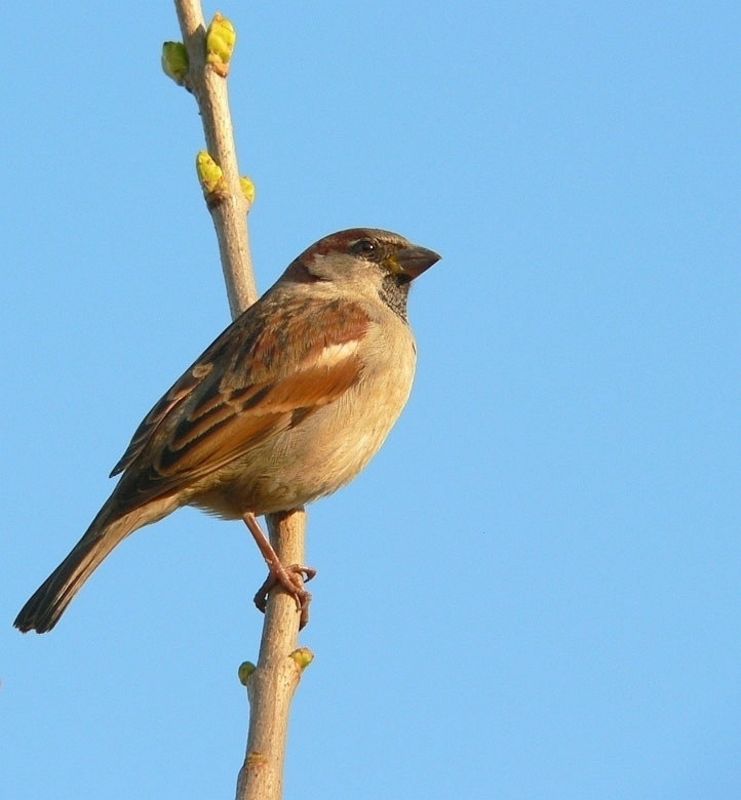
[228, 214]
[272, 683]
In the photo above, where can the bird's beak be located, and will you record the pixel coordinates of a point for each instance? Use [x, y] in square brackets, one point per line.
[413, 260]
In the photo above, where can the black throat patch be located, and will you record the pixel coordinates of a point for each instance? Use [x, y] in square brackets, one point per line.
[394, 292]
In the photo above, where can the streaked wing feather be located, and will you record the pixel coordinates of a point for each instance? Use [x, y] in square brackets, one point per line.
[252, 382]
[180, 390]
[202, 445]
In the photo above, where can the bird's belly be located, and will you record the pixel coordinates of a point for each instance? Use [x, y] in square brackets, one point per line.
[321, 454]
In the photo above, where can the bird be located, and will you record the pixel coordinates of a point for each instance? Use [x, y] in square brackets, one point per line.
[286, 406]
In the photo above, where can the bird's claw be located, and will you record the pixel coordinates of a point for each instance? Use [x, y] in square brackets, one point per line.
[291, 579]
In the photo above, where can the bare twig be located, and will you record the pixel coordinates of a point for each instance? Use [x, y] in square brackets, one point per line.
[273, 682]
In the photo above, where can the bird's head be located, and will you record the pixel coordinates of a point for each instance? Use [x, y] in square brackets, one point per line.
[363, 261]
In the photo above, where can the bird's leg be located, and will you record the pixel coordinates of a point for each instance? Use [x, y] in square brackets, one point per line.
[290, 579]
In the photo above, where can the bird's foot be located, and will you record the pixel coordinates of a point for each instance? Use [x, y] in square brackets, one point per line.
[291, 579]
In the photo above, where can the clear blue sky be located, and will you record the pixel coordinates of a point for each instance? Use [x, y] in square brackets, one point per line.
[534, 591]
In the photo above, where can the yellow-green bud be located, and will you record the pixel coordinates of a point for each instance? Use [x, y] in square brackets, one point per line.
[220, 40]
[248, 189]
[303, 657]
[209, 172]
[175, 61]
[246, 668]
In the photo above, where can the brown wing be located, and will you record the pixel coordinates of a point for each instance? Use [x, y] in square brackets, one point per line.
[252, 382]
[182, 389]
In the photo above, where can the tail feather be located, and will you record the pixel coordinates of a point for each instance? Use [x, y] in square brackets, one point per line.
[47, 604]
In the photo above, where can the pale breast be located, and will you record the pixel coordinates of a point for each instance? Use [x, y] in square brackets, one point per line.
[331, 446]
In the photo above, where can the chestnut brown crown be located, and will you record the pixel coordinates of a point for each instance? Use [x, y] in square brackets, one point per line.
[340, 256]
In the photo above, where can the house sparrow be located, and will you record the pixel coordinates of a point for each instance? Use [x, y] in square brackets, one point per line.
[287, 405]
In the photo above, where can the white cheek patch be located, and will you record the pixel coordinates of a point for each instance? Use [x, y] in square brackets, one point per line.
[335, 353]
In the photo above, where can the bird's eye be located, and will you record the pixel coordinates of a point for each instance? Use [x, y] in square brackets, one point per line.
[363, 247]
